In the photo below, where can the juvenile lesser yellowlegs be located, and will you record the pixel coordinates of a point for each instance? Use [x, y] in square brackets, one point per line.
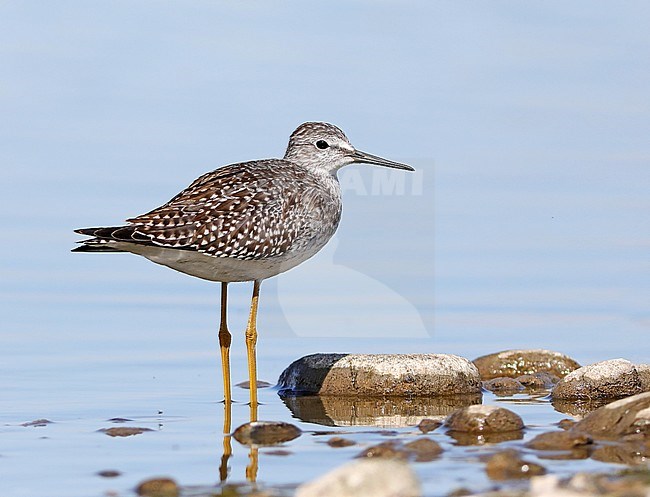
[246, 222]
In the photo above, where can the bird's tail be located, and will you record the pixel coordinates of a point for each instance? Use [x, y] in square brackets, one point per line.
[103, 239]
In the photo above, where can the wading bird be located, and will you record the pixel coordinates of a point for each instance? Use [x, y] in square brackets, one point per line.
[246, 222]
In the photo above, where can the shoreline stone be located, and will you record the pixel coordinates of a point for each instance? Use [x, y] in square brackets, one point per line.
[518, 362]
[611, 379]
[627, 416]
[484, 419]
[380, 375]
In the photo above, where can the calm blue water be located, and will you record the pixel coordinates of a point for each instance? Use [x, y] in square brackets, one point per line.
[526, 224]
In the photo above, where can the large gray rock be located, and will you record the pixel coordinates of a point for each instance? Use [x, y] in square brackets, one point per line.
[514, 363]
[380, 375]
[611, 379]
[365, 478]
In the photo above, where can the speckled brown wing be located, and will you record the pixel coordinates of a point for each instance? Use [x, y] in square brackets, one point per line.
[246, 211]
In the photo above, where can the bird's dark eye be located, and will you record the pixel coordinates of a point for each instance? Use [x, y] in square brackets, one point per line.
[322, 144]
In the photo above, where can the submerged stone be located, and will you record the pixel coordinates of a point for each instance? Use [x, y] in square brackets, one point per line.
[610, 379]
[484, 419]
[559, 440]
[124, 431]
[420, 450]
[508, 465]
[515, 363]
[384, 450]
[266, 433]
[503, 385]
[566, 423]
[338, 442]
[109, 473]
[427, 425]
[158, 487]
[423, 449]
[380, 375]
[37, 422]
[365, 478]
[538, 381]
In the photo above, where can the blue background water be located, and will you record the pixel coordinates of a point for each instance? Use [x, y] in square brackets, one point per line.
[526, 224]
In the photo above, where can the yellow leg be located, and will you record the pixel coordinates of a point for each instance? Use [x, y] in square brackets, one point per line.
[251, 340]
[224, 343]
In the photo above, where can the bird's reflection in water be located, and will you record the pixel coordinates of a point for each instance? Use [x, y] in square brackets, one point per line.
[342, 411]
[253, 453]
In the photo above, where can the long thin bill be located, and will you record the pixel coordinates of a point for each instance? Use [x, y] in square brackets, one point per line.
[365, 158]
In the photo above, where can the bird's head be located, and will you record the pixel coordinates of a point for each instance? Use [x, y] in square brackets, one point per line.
[325, 147]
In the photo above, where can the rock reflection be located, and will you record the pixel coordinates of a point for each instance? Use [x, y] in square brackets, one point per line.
[465, 438]
[578, 409]
[368, 411]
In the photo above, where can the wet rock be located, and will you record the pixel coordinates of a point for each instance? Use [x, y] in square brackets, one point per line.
[388, 412]
[380, 375]
[503, 385]
[508, 465]
[338, 442]
[109, 473]
[124, 431]
[566, 423]
[384, 450]
[37, 422]
[559, 440]
[427, 425]
[484, 419]
[119, 420]
[538, 381]
[420, 450]
[423, 449]
[622, 417]
[365, 478]
[610, 379]
[158, 487]
[266, 433]
[260, 384]
[514, 363]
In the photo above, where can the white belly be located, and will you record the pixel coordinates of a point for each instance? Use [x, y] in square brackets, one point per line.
[223, 269]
